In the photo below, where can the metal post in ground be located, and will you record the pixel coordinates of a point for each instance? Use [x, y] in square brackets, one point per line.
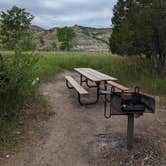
[130, 131]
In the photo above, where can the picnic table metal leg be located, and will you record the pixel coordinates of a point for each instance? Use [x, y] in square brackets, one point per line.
[90, 86]
[68, 86]
[91, 102]
[79, 96]
[98, 90]
[130, 131]
[97, 95]
[86, 81]
[81, 79]
[105, 85]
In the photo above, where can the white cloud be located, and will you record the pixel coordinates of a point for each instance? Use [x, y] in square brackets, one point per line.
[65, 12]
[87, 15]
[6, 1]
[52, 4]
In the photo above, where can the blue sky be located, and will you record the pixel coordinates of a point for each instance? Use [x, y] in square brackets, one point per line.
[53, 13]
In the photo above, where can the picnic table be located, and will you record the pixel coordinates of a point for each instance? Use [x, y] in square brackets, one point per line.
[96, 77]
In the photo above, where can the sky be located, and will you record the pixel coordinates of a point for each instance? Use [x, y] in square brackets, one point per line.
[59, 13]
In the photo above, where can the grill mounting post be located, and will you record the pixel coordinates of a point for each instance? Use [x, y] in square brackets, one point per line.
[130, 131]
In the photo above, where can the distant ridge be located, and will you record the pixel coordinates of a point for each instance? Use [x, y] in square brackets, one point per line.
[87, 38]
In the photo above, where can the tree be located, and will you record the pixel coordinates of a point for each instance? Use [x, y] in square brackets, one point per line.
[65, 36]
[53, 46]
[120, 39]
[41, 40]
[15, 28]
[139, 28]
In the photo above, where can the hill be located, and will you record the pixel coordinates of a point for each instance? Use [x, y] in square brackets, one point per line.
[87, 38]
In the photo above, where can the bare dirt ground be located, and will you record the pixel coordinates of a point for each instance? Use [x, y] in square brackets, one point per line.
[81, 136]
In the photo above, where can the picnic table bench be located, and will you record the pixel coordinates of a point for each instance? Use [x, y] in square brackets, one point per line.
[118, 86]
[75, 85]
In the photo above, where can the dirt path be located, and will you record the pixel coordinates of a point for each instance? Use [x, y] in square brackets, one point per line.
[81, 136]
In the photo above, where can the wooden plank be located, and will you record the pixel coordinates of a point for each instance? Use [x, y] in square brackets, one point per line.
[96, 76]
[101, 75]
[84, 72]
[118, 86]
[78, 88]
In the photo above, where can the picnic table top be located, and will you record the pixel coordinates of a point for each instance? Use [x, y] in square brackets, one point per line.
[94, 75]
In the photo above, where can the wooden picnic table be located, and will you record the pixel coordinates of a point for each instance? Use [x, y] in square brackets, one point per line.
[96, 77]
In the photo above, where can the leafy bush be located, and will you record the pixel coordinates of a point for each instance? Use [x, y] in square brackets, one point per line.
[15, 28]
[16, 86]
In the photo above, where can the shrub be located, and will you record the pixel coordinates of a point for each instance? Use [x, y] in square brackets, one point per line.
[16, 86]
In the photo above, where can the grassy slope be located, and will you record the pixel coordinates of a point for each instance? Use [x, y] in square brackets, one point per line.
[130, 71]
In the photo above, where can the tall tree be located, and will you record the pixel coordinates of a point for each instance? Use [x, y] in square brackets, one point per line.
[141, 29]
[65, 36]
[15, 28]
[120, 39]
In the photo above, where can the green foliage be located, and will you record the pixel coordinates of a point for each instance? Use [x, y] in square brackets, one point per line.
[139, 29]
[14, 32]
[65, 36]
[54, 46]
[27, 44]
[41, 40]
[51, 47]
[130, 71]
[16, 85]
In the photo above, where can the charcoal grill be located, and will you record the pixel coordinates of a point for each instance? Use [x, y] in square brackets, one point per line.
[130, 104]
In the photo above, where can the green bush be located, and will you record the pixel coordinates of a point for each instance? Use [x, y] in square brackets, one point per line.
[16, 86]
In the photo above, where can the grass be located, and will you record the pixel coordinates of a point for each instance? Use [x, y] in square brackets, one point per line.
[130, 71]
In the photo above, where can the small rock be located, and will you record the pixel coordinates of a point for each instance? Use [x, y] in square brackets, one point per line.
[35, 81]
[7, 156]
[18, 132]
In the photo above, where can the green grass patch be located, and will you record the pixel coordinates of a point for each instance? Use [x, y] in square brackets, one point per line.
[130, 71]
